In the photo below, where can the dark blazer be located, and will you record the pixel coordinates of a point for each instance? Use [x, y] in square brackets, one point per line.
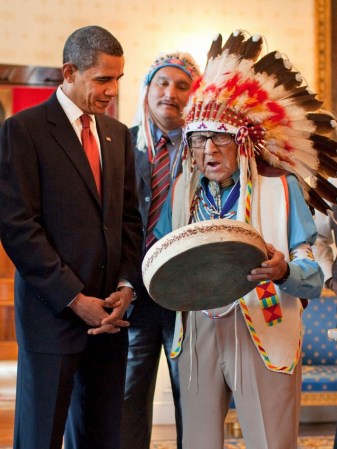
[60, 237]
[144, 308]
[143, 179]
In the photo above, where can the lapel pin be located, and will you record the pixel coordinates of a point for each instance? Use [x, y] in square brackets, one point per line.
[108, 138]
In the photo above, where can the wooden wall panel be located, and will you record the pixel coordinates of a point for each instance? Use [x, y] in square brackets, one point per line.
[8, 346]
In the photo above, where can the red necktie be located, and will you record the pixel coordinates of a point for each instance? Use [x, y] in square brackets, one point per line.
[160, 184]
[91, 150]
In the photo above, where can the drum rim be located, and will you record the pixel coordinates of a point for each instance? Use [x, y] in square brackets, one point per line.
[199, 228]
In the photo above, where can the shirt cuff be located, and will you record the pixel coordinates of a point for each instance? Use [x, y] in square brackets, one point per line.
[124, 283]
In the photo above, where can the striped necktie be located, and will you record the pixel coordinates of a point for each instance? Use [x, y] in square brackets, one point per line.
[91, 150]
[160, 184]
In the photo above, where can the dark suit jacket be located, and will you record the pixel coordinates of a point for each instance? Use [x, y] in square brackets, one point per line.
[143, 179]
[144, 309]
[53, 227]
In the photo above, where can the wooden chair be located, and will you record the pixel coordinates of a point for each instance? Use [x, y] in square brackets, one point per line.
[319, 362]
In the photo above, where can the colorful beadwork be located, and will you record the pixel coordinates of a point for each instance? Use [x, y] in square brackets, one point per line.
[269, 302]
[259, 346]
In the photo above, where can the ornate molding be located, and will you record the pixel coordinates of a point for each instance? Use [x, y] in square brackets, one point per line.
[323, 51]
[318, 399]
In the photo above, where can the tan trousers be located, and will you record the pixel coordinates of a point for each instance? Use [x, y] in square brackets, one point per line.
[267, 402]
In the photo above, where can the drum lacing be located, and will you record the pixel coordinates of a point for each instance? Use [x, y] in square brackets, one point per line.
[191, 354]
[236, 345]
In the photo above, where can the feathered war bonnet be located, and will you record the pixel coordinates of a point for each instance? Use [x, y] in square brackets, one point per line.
[277, 121]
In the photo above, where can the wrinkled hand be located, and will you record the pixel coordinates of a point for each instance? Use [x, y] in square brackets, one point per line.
[331, 284]
[334, 286]
[274, 269]
[118, 301]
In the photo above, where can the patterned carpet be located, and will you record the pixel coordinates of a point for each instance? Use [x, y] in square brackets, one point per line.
[303, 443]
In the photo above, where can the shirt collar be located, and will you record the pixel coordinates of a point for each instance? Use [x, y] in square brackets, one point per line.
[72, 111]
[174, 135]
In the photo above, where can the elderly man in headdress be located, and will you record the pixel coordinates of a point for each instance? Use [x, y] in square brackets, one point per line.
[252, 142]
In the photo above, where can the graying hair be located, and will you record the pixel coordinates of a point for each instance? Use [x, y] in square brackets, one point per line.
[84, 45]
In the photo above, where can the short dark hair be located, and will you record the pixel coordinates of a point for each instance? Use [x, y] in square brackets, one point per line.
[83, 46]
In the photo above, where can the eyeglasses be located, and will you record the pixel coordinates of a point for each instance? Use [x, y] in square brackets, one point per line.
[198, 141]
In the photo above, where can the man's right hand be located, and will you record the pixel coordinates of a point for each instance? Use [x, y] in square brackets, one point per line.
[92, 311]
[89, 309]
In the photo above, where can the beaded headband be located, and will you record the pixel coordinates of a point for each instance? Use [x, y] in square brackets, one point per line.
[183, 61]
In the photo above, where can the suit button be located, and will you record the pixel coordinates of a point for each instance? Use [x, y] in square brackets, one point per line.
[147, 199]
[101, 266]
[105, 228]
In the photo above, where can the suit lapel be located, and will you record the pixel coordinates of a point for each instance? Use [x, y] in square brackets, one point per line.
[143, 167]
[67, 139]
[110, 155]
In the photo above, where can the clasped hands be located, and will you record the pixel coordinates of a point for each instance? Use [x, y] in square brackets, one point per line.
[93, 311]
[273, 269]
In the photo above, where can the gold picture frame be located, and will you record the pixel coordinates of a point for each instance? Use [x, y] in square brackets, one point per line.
[323, 50]
[326, 47]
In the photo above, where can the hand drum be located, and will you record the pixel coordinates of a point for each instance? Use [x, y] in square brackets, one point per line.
[203, 265]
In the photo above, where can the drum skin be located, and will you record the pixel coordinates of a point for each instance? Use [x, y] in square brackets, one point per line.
[203, 265]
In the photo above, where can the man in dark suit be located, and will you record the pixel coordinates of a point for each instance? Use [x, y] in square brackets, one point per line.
[167, 88]
[76, 245]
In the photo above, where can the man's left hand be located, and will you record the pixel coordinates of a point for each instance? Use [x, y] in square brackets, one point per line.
[119, 302]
